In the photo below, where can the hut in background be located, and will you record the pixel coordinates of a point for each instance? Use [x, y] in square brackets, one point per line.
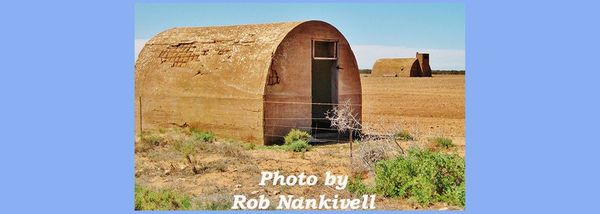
[403, 67]
[396, 67]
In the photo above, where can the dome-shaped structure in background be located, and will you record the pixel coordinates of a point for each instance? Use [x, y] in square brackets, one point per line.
[396, 67]
[250, 82]
[403, 67]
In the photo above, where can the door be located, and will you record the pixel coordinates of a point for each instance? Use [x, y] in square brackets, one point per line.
[324, 83]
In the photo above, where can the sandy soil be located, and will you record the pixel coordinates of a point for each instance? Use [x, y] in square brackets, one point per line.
[424, 106]
[226, 175]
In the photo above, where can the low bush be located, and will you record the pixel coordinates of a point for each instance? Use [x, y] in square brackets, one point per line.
[203, 136]
[187, 147]
[441, 142]
[369, 154]
[423, 176]
[357, 186]
[404, 136]
[297, 146]
[231, 149]
[214, 166]
[215, 206]
[249, 146]
[296, 135]
[152, 139]
[148, 141]
[296, 141]
[455, 195]
[214, 201]
[164, 199]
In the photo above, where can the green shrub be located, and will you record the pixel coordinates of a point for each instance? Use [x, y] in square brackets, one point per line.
[215, 206]
[404, 136]
[296, 135]
[187, 147]
[148, 141]
[423, 176]
[203, 136]
[146, 199]
[441, 142]
[357, 186]
[297, 146]
[455, 195]
[151, 139]
[249, 146]
[214, 201]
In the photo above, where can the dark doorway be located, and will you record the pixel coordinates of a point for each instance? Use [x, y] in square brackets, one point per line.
[324, 87]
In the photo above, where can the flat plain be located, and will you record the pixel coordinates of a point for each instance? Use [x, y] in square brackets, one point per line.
[425, 107]
[428, 107]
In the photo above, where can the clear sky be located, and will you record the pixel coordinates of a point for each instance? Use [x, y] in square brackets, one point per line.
[374, 30]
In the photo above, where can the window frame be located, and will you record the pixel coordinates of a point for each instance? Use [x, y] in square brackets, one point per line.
[335, 49]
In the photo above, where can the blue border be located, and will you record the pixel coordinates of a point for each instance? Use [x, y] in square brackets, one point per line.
[67, 107]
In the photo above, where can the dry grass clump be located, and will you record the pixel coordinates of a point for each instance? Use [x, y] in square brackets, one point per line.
[154, 139]
[249, 168]
[214, 201]
[147, 142]
[191, 145]
[404, 136]
[230, 149]
[164, 199]
[369, 153]
[167, 199]
[440, 143]
[231, 152]
[213, 166]
[372, 150]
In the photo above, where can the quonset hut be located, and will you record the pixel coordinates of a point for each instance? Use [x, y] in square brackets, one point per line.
[403, 67]
[250, 82]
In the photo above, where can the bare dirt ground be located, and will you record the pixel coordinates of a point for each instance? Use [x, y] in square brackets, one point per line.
[425, 107]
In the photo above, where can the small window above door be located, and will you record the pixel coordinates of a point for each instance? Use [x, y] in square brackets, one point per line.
[324, 50]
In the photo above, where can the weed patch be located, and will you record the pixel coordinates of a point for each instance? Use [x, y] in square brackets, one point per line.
[297, 146]
[357, 186]
[441, 142]
[203, 136]
[231, 150]
[296, 141]
[188, 147]
[404, 136]
[218, 201]
[423, 176]
[164, 199]
[148, 141]
[296, 135]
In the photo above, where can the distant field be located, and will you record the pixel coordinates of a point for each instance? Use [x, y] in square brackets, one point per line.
[430, 106]
[455, 72]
